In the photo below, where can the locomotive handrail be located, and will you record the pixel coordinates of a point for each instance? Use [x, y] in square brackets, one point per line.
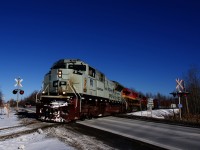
[46, 88]
[80, 100]
[73, 91]
[126, 104]
[78, 95]
[37, 96]
[40, 92]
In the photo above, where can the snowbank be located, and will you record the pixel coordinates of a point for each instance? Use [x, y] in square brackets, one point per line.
[160, 113]
[34, 141]
[8, 119]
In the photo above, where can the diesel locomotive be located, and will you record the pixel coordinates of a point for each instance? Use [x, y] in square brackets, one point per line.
[73, 89]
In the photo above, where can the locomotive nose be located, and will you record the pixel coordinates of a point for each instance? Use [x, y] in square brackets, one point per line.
[60, 87]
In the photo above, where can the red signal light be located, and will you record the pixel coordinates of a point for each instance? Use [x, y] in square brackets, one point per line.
[21, 92]
[180, 94]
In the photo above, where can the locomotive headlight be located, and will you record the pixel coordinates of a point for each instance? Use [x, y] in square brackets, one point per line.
[59, 73]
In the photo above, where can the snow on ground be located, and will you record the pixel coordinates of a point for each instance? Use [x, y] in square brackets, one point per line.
[80, 141]
[12, 130]
[160, 113]
[34, 141]
[8, 119]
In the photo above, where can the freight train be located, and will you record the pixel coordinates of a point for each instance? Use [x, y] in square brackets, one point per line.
[73, 89]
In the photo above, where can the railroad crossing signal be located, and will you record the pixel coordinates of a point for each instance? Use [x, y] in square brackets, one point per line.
[18, 90]
[18, 84]
[181, 91]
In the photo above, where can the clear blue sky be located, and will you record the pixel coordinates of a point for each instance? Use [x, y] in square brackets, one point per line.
[142, 44]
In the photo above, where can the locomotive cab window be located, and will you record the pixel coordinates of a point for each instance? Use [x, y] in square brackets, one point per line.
[102, 77]
[77, 67]
[91, 72]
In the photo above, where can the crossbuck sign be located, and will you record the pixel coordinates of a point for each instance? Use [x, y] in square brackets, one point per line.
[180, 85]
[18, 82]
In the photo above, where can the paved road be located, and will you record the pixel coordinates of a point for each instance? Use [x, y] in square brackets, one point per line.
[162, 135]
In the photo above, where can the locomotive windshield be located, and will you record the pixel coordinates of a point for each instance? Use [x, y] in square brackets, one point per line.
[78, 67]
[59, 64]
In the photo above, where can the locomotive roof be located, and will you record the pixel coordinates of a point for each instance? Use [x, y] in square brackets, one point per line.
[61, 61]
[65, 61]
[69, 60]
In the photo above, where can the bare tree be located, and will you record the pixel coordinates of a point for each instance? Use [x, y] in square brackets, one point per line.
[30, 99]
[1, 99]
[12, 103]
[192, 81]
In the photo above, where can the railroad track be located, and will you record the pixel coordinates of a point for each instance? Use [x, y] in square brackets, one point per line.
[15, 131]
[66, 133]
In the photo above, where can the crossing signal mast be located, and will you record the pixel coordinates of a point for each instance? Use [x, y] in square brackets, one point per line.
[180, 91]
[18, 90]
